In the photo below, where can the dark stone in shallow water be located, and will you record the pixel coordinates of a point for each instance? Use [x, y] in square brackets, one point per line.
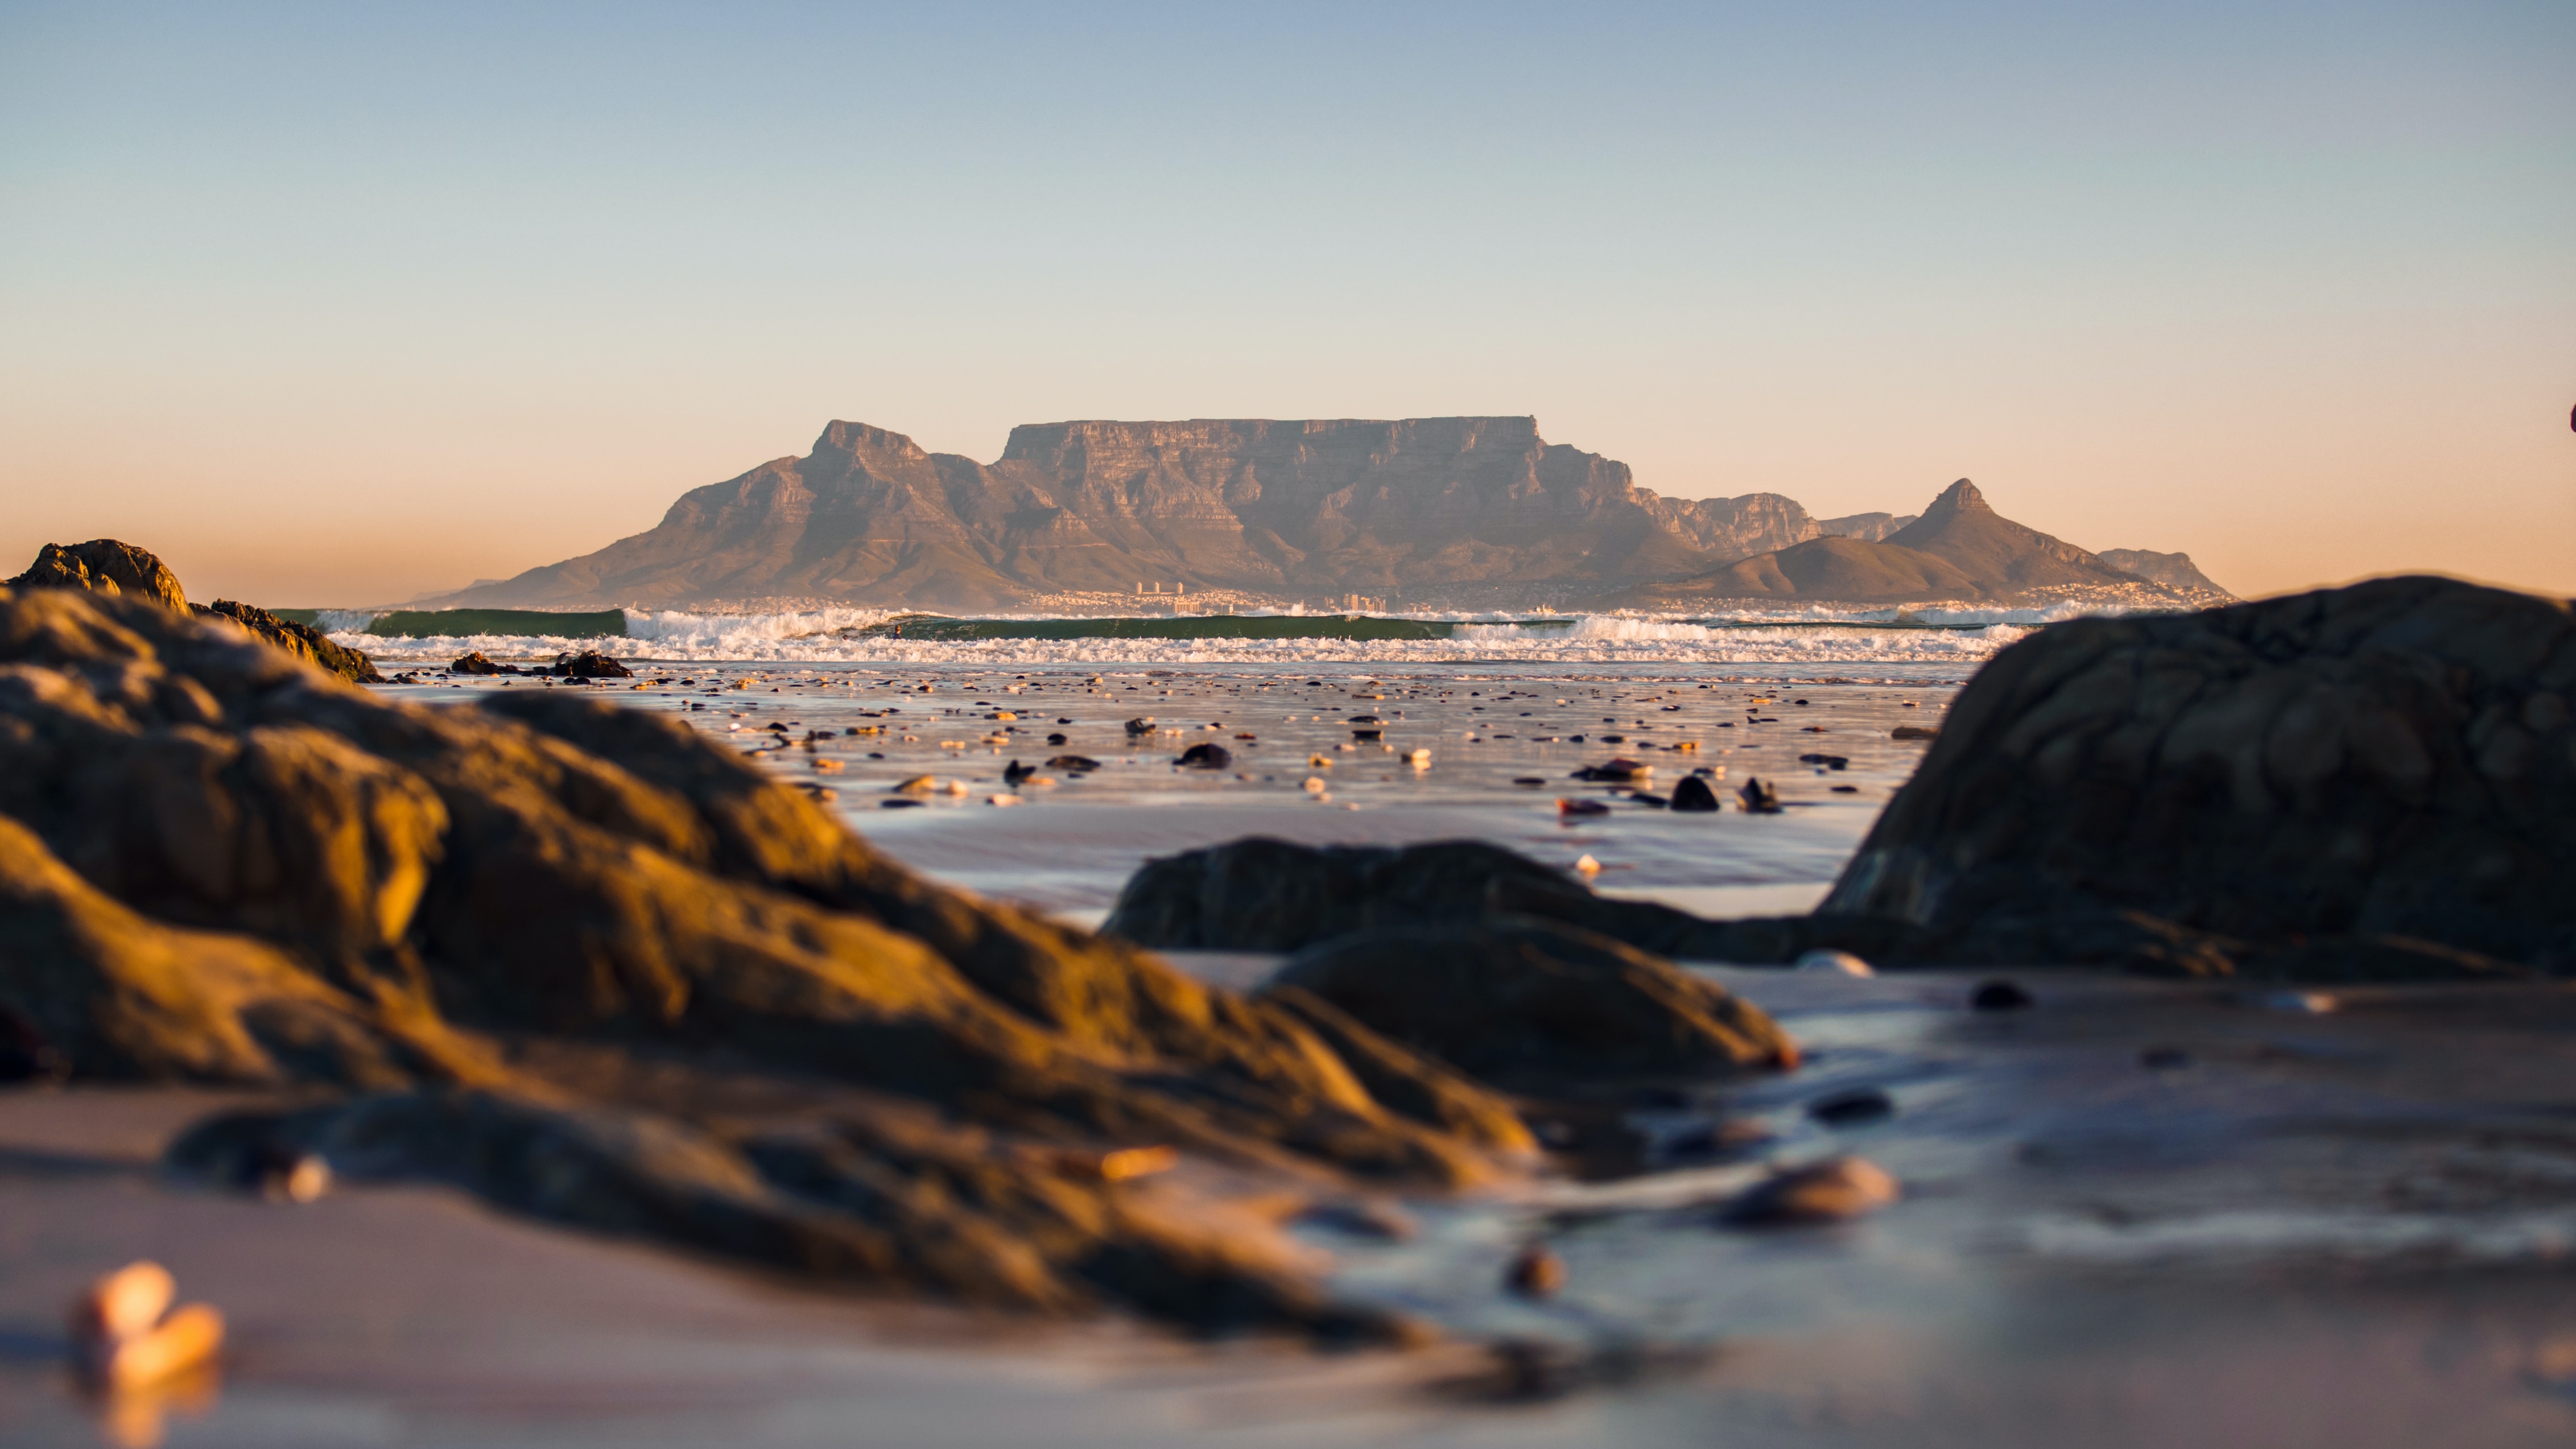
[590, 664]
[1998, 996]
[1205, 757]
[1534, 1005]
[1692, 794]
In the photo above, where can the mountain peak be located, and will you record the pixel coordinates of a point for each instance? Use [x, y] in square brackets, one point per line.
[1959, 497]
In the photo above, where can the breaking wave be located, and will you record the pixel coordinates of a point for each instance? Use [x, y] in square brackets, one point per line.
[834, 635]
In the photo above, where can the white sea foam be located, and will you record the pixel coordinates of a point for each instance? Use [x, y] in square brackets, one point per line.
[829, 635]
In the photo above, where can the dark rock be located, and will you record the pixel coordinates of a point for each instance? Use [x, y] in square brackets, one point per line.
[1693, 794]
[1141, 725]
[590, 664]
[1914, 732]
[1015, 772]
[1534, 1005]
[1071, 763]
[1056, 741]
[1535, 1272]
[1206, 757]
[2378, 779]
[1616, 771]
[1261, 894]
[1998, 996]
[879, 1201]
[220, 866]
[103, 565]
[476, 664]
[1830, 762]
[25, 1054]
[1852, 1108]
[1758, 798]
[301, 640]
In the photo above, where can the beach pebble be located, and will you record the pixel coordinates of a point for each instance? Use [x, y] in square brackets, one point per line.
[1758, 797]
[1586, 866]
[1842, 961]
[1850, 1109]
[1693, 795]
[1001, 799]
[1833, 1191]
[1315, 785]
[124, 1334]
[1535, 1272]
[2309, 1003]
[1998, 996]
[1581, 807]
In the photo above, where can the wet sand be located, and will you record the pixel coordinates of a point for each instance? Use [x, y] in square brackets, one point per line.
[2134, 1213]
[1066, 846]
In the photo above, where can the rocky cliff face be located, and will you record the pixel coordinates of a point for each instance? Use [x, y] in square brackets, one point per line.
[1278, 507]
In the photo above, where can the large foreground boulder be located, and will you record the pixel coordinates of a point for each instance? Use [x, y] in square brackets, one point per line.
[549, 937]
[2371, 767]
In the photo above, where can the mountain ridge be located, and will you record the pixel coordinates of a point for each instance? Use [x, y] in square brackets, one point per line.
[1420, 508]
[1281, 506]
[1958, 550]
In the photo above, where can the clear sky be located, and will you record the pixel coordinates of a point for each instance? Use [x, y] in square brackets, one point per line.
[338, 304]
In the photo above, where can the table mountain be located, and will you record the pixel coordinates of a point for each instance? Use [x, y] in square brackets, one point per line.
[1408, 506]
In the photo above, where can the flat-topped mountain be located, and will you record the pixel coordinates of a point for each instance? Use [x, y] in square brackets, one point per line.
[1272, 507]
[1960, 550]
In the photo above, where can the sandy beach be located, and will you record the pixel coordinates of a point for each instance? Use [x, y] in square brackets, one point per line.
[2134, 1213]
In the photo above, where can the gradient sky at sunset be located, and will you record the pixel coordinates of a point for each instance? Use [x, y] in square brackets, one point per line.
[340, 304]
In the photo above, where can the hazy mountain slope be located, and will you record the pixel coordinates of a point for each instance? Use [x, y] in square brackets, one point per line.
[2173, 569]
[2001, 555]
[1867, 527]
[1959, 550]
[1845, 570]
[1276, 507]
